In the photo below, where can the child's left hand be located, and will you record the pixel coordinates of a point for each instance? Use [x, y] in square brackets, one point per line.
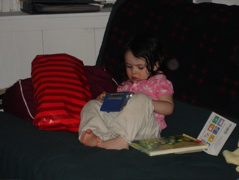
[101, 97]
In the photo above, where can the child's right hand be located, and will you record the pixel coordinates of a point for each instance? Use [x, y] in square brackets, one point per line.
[101, 97]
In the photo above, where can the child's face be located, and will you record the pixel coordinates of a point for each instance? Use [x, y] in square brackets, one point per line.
[136, 68]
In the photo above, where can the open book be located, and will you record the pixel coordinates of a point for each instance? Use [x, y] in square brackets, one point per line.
[211, 139]
[170, 144]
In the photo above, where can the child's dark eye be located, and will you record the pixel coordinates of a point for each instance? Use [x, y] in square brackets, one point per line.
[141, 68]
[128, 66]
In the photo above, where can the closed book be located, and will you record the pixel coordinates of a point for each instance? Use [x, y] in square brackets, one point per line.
[170, 144]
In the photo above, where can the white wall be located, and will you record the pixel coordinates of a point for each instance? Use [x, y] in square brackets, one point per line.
[229, 2]
[24, 36]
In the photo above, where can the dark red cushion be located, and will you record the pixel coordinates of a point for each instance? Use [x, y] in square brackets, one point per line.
[18, 100]
[99, 80]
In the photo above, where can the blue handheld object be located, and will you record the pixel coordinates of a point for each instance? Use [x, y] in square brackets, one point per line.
[114, 102]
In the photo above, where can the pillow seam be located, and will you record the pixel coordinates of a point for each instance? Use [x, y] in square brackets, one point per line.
[24, 100]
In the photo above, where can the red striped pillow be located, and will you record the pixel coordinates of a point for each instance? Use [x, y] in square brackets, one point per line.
[61, 89]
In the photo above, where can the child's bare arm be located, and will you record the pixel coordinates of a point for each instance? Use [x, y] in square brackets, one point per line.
[164, 105]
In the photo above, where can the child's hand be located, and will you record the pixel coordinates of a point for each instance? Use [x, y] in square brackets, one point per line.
[101, 97]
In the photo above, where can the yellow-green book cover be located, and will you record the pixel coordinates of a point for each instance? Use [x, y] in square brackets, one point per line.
[170, 144]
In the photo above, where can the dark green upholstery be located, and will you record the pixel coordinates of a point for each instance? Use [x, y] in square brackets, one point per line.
[28, 153]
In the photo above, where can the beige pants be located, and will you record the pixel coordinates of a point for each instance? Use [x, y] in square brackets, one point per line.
[135, 121]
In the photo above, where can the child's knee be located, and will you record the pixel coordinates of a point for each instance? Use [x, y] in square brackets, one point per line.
[141, 99]
[92, 104]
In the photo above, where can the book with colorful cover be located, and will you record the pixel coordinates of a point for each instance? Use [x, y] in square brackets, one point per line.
[215, 133]
[170, 144]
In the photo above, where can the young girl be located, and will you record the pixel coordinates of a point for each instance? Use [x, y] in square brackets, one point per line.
[143, 115]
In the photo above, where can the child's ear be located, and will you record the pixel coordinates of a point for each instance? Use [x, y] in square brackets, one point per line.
[156, 66]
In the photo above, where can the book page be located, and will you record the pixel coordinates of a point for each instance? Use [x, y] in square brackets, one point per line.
[215, 133]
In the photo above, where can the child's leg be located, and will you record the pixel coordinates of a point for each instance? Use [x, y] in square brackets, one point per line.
[116, 143]
[88, 138]
[94, 124]
[135, 121]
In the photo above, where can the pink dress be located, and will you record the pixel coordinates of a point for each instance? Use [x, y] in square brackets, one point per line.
[154, 87]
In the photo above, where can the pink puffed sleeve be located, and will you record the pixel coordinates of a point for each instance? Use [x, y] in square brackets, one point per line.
[163, 86]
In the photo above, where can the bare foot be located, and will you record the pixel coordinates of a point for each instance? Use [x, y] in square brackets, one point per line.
[117, 143]
[88, 138]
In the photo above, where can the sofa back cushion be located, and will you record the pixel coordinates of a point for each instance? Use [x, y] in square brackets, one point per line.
[201, 46]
